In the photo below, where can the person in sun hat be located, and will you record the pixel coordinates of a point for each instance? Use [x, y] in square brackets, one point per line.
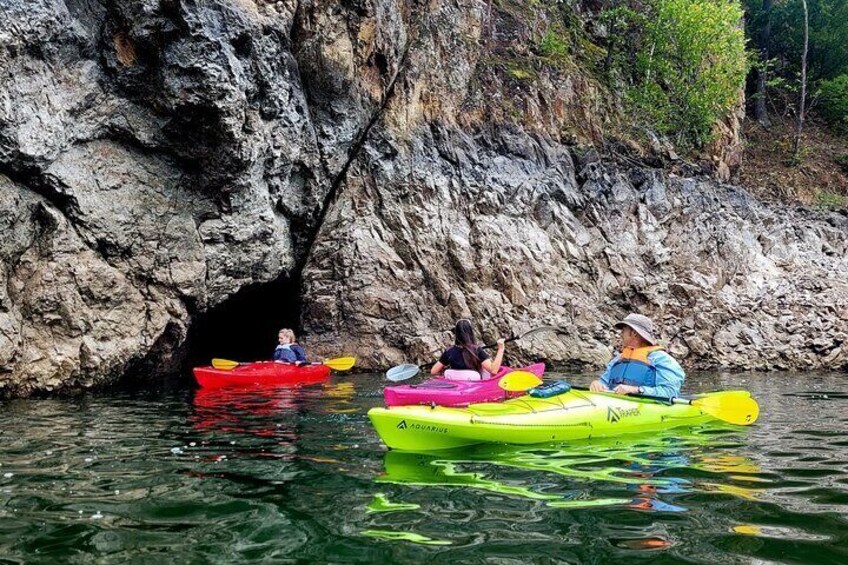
[642, 366]
[465, 360]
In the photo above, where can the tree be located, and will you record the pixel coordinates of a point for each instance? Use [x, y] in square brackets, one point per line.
[689, 67]
[776, 30]
[760, 110]
[801, 103]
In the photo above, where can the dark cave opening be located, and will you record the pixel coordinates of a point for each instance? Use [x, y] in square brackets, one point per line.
[245, 326]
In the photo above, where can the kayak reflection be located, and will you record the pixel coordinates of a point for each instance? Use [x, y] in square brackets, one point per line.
[641, 472]
[266, 410]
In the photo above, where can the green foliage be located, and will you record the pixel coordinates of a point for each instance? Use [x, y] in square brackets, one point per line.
[624, 28]
[842, 161]
[828, 56]
[521, 74]
[831, 200]
[833, 95]
[553, 45]
[690, 64]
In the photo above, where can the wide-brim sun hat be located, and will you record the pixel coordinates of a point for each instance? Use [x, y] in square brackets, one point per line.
[640, 324]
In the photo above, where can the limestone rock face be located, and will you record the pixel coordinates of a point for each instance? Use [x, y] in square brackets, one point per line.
[414, 162]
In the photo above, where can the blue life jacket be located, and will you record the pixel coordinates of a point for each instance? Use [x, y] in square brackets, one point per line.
[284, 353]
[289, 353]
[634, 368]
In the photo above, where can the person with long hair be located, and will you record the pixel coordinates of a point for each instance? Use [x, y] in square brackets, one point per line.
[288, 351]
[465, 359]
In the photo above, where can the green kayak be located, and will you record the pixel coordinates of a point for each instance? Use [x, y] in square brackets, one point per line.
[526, 420]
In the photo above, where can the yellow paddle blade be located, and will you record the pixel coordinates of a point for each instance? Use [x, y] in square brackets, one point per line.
[519, 381]
[734, 407]
[340, 363]
[224, 364]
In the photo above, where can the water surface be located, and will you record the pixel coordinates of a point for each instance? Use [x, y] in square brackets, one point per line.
[299, 474]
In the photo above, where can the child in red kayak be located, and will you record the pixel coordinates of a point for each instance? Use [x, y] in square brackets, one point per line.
[289, 351]
[466, 360]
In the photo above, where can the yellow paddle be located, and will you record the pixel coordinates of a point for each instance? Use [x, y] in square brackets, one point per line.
[225, 364]
[732, 406]
[519, 381]
[340, 363]
[337, 364]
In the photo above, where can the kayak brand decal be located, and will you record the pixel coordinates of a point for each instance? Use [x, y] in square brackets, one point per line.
[402, 425]
[616, 414]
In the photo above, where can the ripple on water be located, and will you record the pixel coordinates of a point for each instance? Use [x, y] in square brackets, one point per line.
[243, 476]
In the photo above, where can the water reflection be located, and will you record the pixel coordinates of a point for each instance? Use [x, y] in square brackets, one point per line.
[272, 415]
[656, 474]
[255, 409]
[236, 409]
[653, 469]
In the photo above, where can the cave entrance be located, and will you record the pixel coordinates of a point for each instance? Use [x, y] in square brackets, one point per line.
[245, 326]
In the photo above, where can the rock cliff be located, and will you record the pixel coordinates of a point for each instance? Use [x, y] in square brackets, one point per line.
[411, 162]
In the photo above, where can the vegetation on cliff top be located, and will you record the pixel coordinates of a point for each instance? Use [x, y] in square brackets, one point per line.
[683, 64]
[675, 68]
[815, 174]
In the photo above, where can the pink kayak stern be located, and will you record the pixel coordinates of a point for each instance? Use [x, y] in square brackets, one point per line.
[446, 392]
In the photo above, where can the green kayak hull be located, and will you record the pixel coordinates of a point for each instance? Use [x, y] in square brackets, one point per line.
[527, 420]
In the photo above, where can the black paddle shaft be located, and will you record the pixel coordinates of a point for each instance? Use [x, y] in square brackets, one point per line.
[528, 332]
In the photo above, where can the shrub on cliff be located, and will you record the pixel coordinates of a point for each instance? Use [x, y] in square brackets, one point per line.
[833, 97]
[687, 65]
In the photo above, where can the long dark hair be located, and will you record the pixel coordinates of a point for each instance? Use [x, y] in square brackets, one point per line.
[464, 339]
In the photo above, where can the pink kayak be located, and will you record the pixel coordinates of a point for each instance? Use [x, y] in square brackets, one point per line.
[446, 392]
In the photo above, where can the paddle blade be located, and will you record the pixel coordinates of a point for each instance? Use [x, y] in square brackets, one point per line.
[402, 372]
[224, 364]
[733, 407]
[519, 381]
[340, 363]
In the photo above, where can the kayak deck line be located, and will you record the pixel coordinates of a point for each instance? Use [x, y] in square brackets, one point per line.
[514, 425]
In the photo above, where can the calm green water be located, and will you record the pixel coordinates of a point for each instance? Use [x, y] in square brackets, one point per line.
[178, 476]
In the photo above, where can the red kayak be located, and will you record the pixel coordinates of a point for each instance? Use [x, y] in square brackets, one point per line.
[262, 373]
[446, 392]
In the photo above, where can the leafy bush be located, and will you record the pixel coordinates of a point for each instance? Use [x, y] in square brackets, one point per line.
[831, 200]
[834, 101]
[690, 66]
[554, 45]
